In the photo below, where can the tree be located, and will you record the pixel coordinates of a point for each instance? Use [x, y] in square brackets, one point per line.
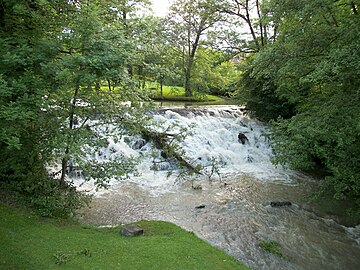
[189, 20]
[152, 51]
[54, 57]
[252, 13]
[27, 51]
[313, 67]
[258, 91]
[214, 73]
[94, 52]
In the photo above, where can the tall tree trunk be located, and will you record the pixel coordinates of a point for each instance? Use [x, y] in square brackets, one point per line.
[275, 33]
[248, 21]
[188, 91]
[260, 23]
[97, 86]
[191, 56]
[109, 84]
[187, 85]
[64, 163]
[65, 160]
[161, 85]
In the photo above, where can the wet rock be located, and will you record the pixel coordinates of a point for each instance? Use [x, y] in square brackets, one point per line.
[163, 155]
[250, 159]
[127, 140]
[200, 206]
[242, 124]
[131, 230]
[197, 187]
[224, 185]
[138, 144]
[242, 138]
[280, 204]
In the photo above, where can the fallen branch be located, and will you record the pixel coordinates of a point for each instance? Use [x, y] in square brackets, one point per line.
[161, 141]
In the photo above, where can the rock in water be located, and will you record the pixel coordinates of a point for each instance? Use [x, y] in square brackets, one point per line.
[138, 144]
[131, 230]
[279, 204]
[242, 138]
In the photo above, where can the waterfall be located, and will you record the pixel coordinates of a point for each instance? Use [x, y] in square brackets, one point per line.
[214, 142]
[235, 214]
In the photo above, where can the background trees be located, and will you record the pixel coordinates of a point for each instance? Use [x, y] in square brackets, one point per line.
[248, 14]
[214, 73]
[190, 19]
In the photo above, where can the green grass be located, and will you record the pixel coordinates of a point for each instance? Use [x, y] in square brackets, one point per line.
[272, 247]
[30, 242]
[177, 93]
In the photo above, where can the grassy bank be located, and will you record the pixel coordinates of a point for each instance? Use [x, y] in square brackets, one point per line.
[177, 94]
[29, 242]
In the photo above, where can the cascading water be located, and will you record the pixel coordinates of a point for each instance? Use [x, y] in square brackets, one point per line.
[235, 213]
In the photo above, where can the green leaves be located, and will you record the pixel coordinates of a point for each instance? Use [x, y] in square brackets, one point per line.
[310, 78]
[273, 247]
[63, 71]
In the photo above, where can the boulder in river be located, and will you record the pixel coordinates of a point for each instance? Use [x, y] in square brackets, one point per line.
[242, 138]
[138, 144]
[280, 204]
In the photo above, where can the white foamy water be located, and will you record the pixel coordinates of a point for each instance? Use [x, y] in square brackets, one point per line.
[236, 216]
[214, 137]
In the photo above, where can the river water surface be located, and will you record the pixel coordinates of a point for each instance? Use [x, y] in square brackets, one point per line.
[235, 213]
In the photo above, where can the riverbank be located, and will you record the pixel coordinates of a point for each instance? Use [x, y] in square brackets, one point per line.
[176, 94]
[30, 242]
[235, 215]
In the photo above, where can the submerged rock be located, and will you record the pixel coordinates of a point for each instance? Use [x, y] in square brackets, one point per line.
[280, 204]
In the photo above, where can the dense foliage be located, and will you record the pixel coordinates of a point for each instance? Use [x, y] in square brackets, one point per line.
[55, 56]
[67, 67]
[307, 80]
[68, 71]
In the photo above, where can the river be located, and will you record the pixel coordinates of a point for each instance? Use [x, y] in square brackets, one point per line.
[231, 210]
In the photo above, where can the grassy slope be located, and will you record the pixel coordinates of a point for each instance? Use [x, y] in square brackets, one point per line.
[28, 242]
[177, 93]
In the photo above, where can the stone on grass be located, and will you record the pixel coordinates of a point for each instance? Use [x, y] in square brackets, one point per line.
[131, 230]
